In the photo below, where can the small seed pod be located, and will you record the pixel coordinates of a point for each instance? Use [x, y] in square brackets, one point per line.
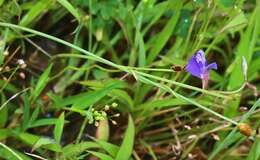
[114, 105]
[245, 129]
[107, 107]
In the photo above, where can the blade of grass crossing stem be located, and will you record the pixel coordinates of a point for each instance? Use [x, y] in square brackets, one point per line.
[59, 128]
[126, 147]
[42, 82]
[70, 8]
[39, 8]
[165, 34]
[102, 156]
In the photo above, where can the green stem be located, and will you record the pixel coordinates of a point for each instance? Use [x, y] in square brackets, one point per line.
[183, 85]
[133, 70]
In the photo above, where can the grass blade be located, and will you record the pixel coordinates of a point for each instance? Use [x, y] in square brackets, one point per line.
[59, 128]
[70, 8]
[35, 12]
[254, 153]
[163, 36]
[126, 147]
[41, 83]
[102, 156]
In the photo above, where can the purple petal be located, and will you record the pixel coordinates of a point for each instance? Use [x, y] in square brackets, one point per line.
[193, 67]
[200, 58]
[212, 66]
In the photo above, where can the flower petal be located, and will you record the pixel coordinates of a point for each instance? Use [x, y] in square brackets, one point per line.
[212, 66]
[193, 67]
[200, 58]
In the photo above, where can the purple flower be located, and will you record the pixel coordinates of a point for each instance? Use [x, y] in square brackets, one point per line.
[198, 67]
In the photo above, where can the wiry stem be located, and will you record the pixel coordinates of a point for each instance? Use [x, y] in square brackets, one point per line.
[205, 83]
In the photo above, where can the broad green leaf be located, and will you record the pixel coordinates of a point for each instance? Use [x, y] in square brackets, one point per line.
[126, 148]
[39, 8]
[102, 156]
[70, 8]
[42, 82]
[59, 128]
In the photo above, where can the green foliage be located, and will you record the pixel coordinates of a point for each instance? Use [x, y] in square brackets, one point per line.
[70, 8]
[90, 64]
[126, 147]
[42, 82]
[59, 128]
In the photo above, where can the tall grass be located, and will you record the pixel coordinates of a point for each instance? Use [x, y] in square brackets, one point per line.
[97, 79]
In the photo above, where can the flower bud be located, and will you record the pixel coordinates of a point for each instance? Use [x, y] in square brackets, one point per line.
[114, 122]
[107, 107]
[114, 105]
[21, 63]
[244, 68]
[96, 124]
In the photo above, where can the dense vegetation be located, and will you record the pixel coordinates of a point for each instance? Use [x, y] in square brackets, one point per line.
[108, 79]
